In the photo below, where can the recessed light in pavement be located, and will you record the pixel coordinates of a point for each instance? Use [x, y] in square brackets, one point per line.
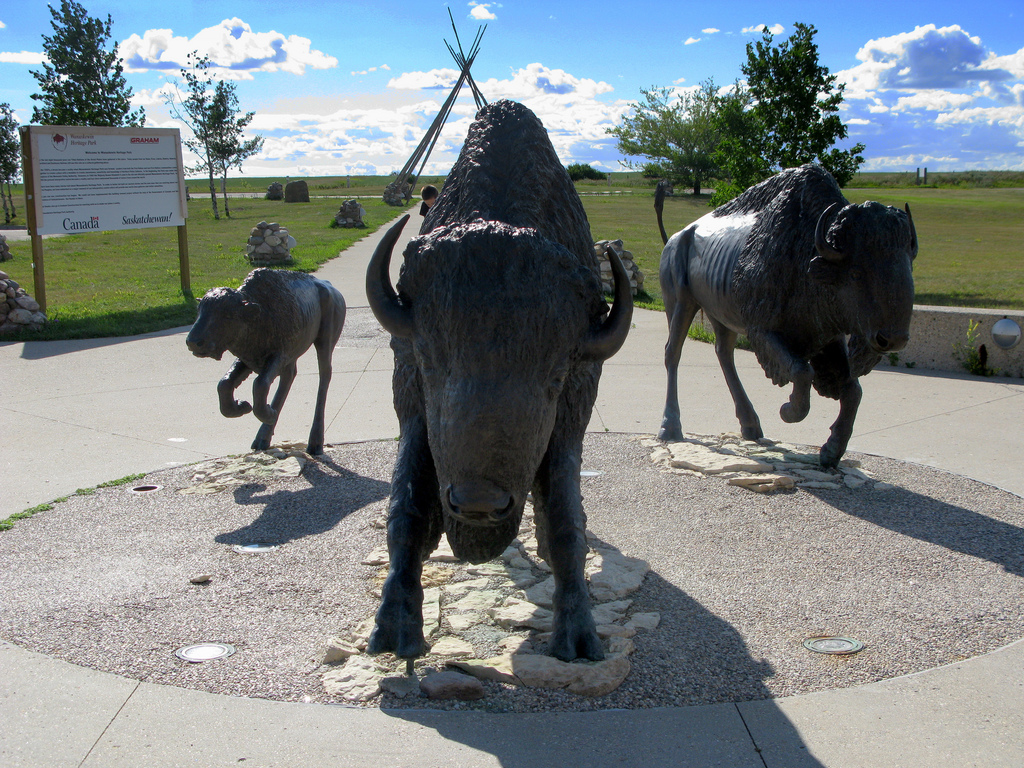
[146, 488]
[836, 646]
[204, 652]
[253, 549]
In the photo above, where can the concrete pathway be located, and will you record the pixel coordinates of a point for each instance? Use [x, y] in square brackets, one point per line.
[77, 413]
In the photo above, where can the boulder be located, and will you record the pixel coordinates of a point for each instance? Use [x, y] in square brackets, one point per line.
[275, 191]
[296, 192]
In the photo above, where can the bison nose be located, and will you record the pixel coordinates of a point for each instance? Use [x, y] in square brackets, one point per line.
[890, 342]
[479, 503]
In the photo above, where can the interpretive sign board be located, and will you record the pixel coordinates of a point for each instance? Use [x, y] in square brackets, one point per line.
[93, 179]
[99, 179]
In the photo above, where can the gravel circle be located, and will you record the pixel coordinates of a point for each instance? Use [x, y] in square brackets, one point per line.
[925, 574]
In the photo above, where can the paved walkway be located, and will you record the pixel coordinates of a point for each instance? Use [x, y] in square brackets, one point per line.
[77, 413]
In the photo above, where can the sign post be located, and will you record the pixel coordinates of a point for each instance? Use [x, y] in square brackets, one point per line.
[95, 179]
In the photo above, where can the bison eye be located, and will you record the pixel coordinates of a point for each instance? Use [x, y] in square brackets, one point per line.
[856, 274]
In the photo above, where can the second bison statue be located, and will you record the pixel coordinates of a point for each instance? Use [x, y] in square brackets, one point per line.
[268, 324]
[499, 329]
[798, 269]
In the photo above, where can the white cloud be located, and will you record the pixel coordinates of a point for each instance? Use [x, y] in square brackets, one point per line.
[775, 29]
[691, 40]
[231, 45]
[482, 11]
[435, 78]
[710, 31]
[24, 57]
[2, 25]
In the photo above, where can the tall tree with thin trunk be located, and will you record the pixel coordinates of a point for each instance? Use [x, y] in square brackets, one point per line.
[81, 82]
[10, 158]
[230, 148]
[198, 109]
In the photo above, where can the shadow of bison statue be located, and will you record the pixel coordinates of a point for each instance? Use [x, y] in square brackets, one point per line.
[799, 270]
[268, 324]
[499, 330]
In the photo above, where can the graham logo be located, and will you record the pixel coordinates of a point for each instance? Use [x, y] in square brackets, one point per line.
[70, 225]
[60, 143]
[145, 140]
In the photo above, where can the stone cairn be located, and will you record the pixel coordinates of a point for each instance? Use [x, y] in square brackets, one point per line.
[5, 249]
[275, 191]
[636, 277]
[350, 215]
[397, 194]
[269, 244]
[17, 309]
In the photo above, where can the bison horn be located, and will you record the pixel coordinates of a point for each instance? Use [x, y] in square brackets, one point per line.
[826, 251]
[913, 232]
[389, 311]
[606, 340]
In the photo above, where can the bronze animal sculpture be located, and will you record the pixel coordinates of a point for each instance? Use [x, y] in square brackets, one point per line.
[268, 324]
[798, 269]
[499, 331]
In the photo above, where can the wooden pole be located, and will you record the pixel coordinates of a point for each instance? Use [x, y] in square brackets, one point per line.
[186, 277]
[28, 173]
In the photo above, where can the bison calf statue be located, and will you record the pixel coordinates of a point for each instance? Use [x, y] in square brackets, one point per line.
[822, 289]
[267, 324]
[499, 330]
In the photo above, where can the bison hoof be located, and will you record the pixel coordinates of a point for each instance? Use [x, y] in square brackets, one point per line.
[791, 413]
[567, 646]
[752, 433]
[404, 642]
[830, 455]
[670, 433]
[236, 409]
[260, 444]
[315, 449]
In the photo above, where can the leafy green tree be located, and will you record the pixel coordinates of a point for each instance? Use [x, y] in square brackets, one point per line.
[793, 118]
[10, 158]
[230, 149]
[678, 133]
[82, 83]
[209, 108]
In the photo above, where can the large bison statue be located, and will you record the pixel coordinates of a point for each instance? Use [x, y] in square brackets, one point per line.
[499, 330]
[267, 324]
[821, 288]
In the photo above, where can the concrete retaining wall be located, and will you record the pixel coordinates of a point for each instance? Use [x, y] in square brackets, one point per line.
[934, 332]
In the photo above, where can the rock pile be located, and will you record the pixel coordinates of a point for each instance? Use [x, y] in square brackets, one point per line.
[761, 466]
[487, 620]
[296, 192]
[269, 244]
[636, 277]
[350, 214]
[5, 249]
[275, 191]
[397, 194]
[18, 310]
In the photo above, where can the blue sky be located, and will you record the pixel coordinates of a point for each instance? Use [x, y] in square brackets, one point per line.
[350, 87]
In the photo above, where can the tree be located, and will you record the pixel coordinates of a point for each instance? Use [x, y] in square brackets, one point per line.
[793, 118]
[82, 83]
[209, 109]
[10, 158]
[677, 132]
[230, 150]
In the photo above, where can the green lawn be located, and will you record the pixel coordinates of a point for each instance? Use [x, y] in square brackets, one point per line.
[128, 282]
[122, 283]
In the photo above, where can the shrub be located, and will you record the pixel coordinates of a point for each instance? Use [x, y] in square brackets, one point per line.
[579, 171]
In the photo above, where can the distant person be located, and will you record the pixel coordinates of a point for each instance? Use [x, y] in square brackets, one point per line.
[429, 195]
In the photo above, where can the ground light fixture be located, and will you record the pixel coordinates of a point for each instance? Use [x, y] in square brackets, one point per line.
[253, 549]
[143, 489]
[834, 646]
[204, 652]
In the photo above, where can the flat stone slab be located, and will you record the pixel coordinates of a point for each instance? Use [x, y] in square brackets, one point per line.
[925, 568]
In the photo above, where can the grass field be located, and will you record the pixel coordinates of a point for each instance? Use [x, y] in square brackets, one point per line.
[122, 283]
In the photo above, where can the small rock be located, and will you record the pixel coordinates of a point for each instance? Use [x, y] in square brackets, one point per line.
[431, 611]
[476, 601]
[880, 486]
[613, 575]
[443, 553]
[763, 483]
[520, 613]
[609, 613]
[644, 620]
[400, 686]
[460, 588]
[542, 594]
[819, 484]
[202, 578]
[853, 482]
[496, 668]
[452, 685]
[515, 644]
[453, 647]
[379, 556]
[460, 622]
[339, 649]
[435, 575]
[814, 474]
[605, 631]
[359, 680]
